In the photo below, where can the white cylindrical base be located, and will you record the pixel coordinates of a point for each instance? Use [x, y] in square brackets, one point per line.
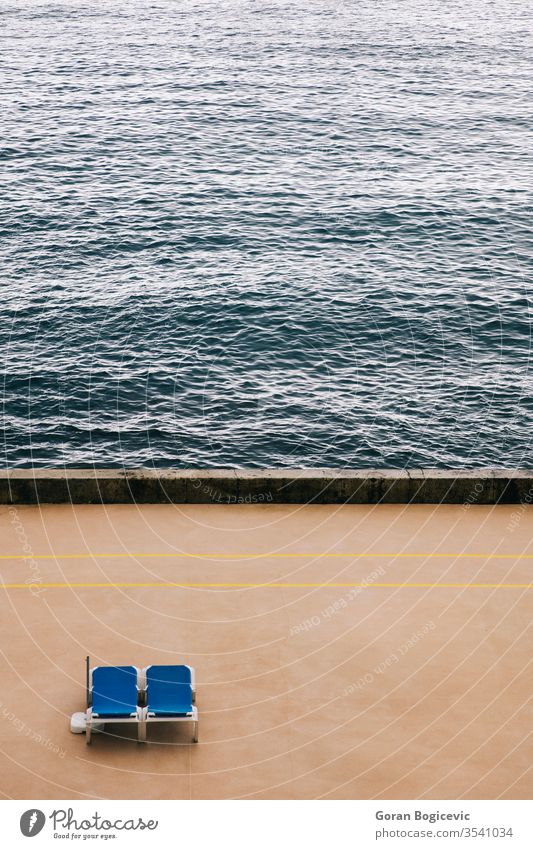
[78, 724]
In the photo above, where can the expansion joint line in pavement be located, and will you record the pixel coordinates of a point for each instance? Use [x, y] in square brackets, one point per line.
[266, 555]
[249, 585]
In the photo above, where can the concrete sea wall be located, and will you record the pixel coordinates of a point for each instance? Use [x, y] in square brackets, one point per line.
[266, 486]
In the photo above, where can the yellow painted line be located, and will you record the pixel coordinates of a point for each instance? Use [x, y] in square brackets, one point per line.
[254, 585]
[265, 555]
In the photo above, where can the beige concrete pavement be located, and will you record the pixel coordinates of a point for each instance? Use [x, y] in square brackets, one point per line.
[341, 651]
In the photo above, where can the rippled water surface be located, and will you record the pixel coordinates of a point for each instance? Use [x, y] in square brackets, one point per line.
[265, 234]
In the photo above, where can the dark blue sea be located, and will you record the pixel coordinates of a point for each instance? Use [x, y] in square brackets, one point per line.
[244, 234]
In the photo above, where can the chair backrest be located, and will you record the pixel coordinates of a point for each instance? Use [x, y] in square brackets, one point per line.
[168, 688]
[114, 690]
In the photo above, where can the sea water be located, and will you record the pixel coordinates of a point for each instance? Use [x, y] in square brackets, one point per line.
[244, 234]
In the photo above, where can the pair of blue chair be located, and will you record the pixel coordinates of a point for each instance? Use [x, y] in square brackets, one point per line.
[126, 694]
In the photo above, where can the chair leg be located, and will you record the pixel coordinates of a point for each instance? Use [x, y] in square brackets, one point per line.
[88, 731]
[195, 737]
[141, 729]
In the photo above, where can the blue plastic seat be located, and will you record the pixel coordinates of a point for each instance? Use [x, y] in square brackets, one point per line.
[114, 691]
[169, 691]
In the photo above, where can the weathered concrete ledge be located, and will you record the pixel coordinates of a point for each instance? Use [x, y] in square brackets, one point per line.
[266, 486]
